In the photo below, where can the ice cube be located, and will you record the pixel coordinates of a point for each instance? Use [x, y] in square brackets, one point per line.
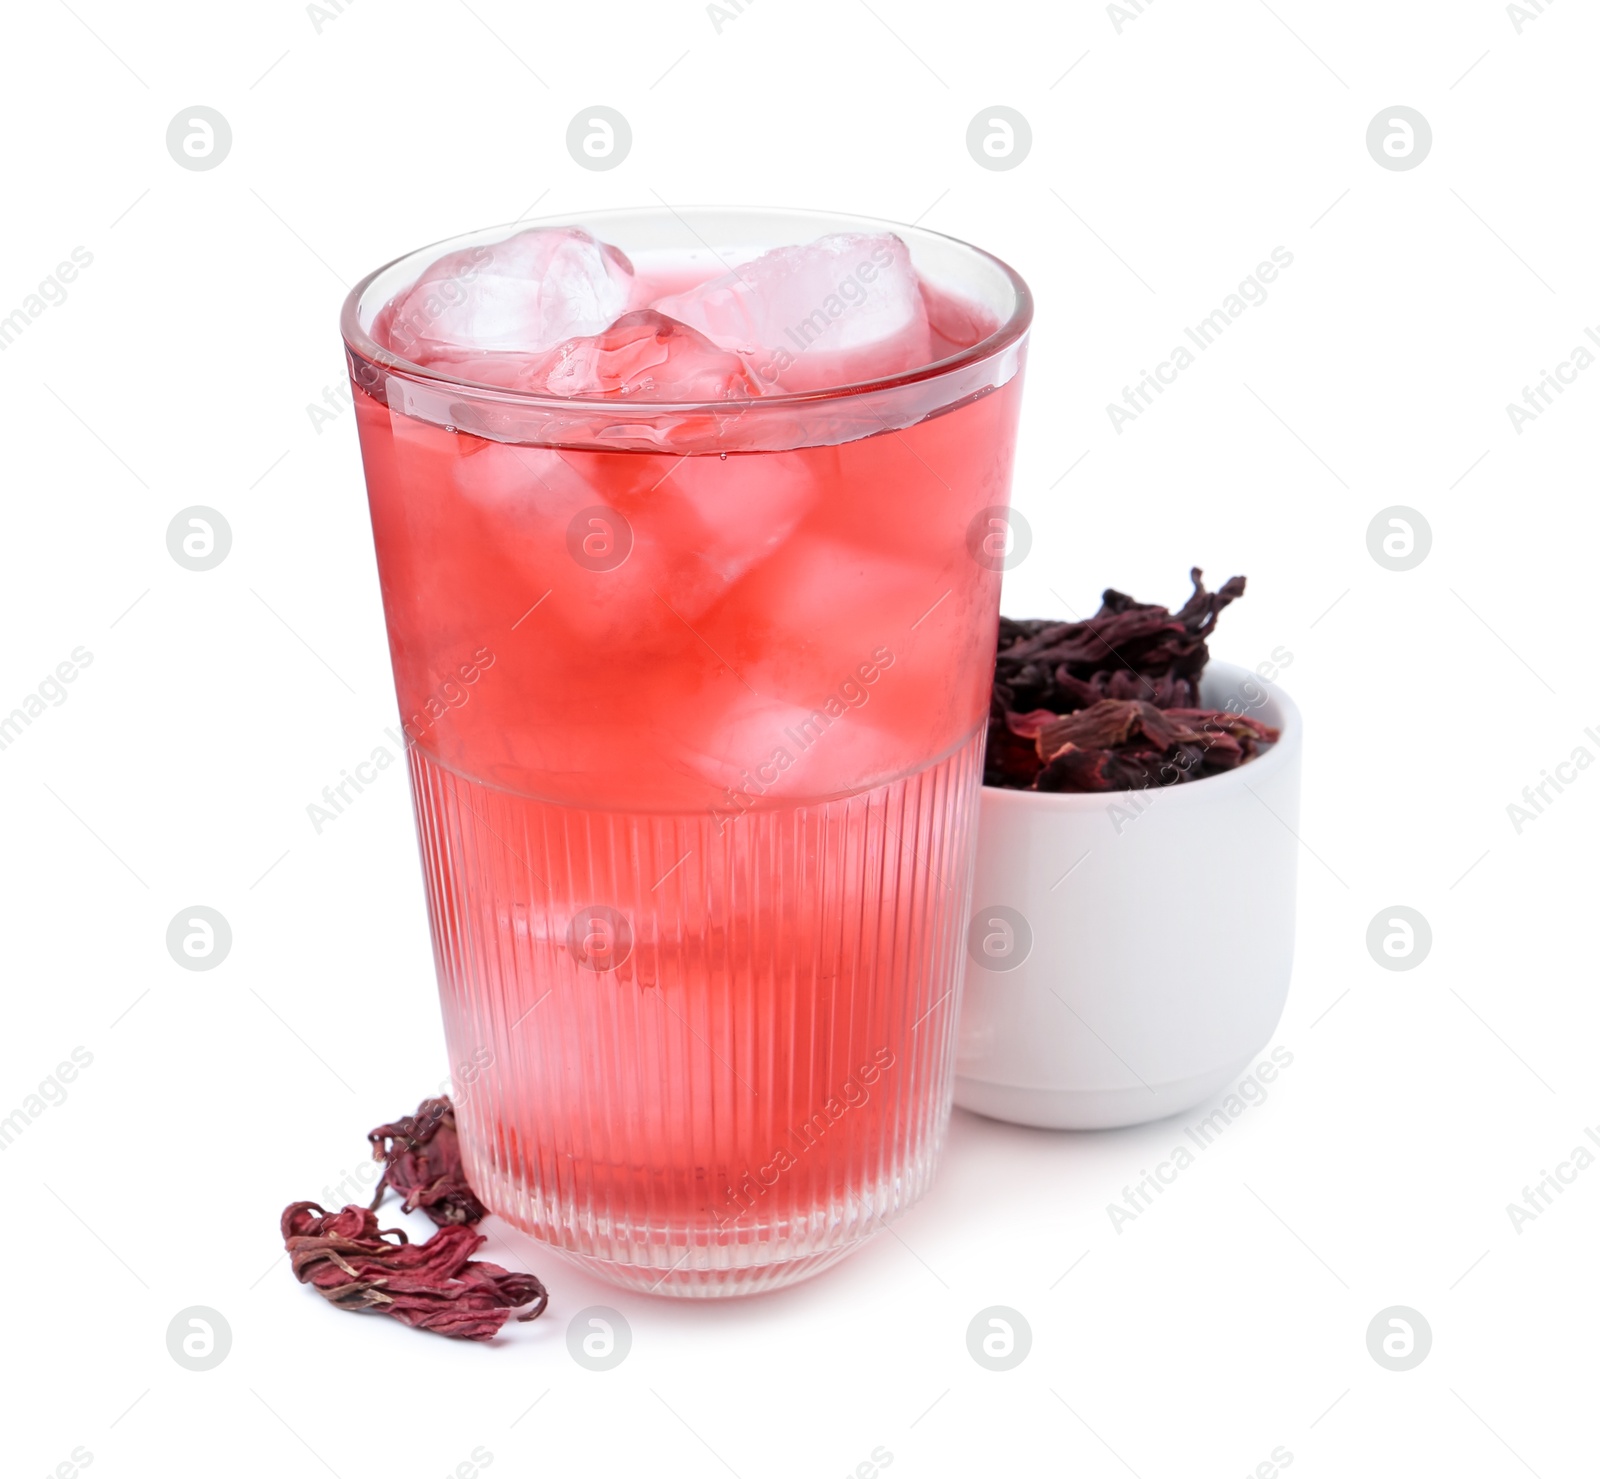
[643, 357]
[756, 749]
[646, 357]
[814, 605]
[876, 642]
[843, 309]
[525, 294]
[730, 513]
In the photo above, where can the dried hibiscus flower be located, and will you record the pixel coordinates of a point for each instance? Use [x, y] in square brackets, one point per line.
[434, 1285]
[1125, 745]
[1109, 703]
[422, 1152]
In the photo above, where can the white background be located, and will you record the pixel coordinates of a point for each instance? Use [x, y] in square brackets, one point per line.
[1167, 161]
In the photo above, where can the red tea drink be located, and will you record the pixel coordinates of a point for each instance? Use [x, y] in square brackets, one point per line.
[693, 648]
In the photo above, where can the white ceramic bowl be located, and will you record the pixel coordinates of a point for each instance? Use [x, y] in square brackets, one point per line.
[1130, 950]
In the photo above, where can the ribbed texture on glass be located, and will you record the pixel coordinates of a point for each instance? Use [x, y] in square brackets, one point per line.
[740, 1057]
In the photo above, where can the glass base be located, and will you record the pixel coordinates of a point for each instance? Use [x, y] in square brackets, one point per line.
[703, 1056]
[689, 1266]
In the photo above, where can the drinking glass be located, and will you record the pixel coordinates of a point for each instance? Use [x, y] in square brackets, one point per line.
[695, 700]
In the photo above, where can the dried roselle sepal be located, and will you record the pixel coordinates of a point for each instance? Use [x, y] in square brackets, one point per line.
[1124, 744]
[1074, 769]
[1164, 690]
[1009, 759]
[434, 1285]
[422, 1152]
[1129, 652]
[1127, 649]
[1226, 730]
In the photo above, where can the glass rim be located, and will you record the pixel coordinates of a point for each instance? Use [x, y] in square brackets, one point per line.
[1007, 333]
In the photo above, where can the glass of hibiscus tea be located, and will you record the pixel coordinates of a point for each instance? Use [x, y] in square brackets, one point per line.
[689, 527]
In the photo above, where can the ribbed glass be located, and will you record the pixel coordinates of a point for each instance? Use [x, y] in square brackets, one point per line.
[622, 983]
[694, 694]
